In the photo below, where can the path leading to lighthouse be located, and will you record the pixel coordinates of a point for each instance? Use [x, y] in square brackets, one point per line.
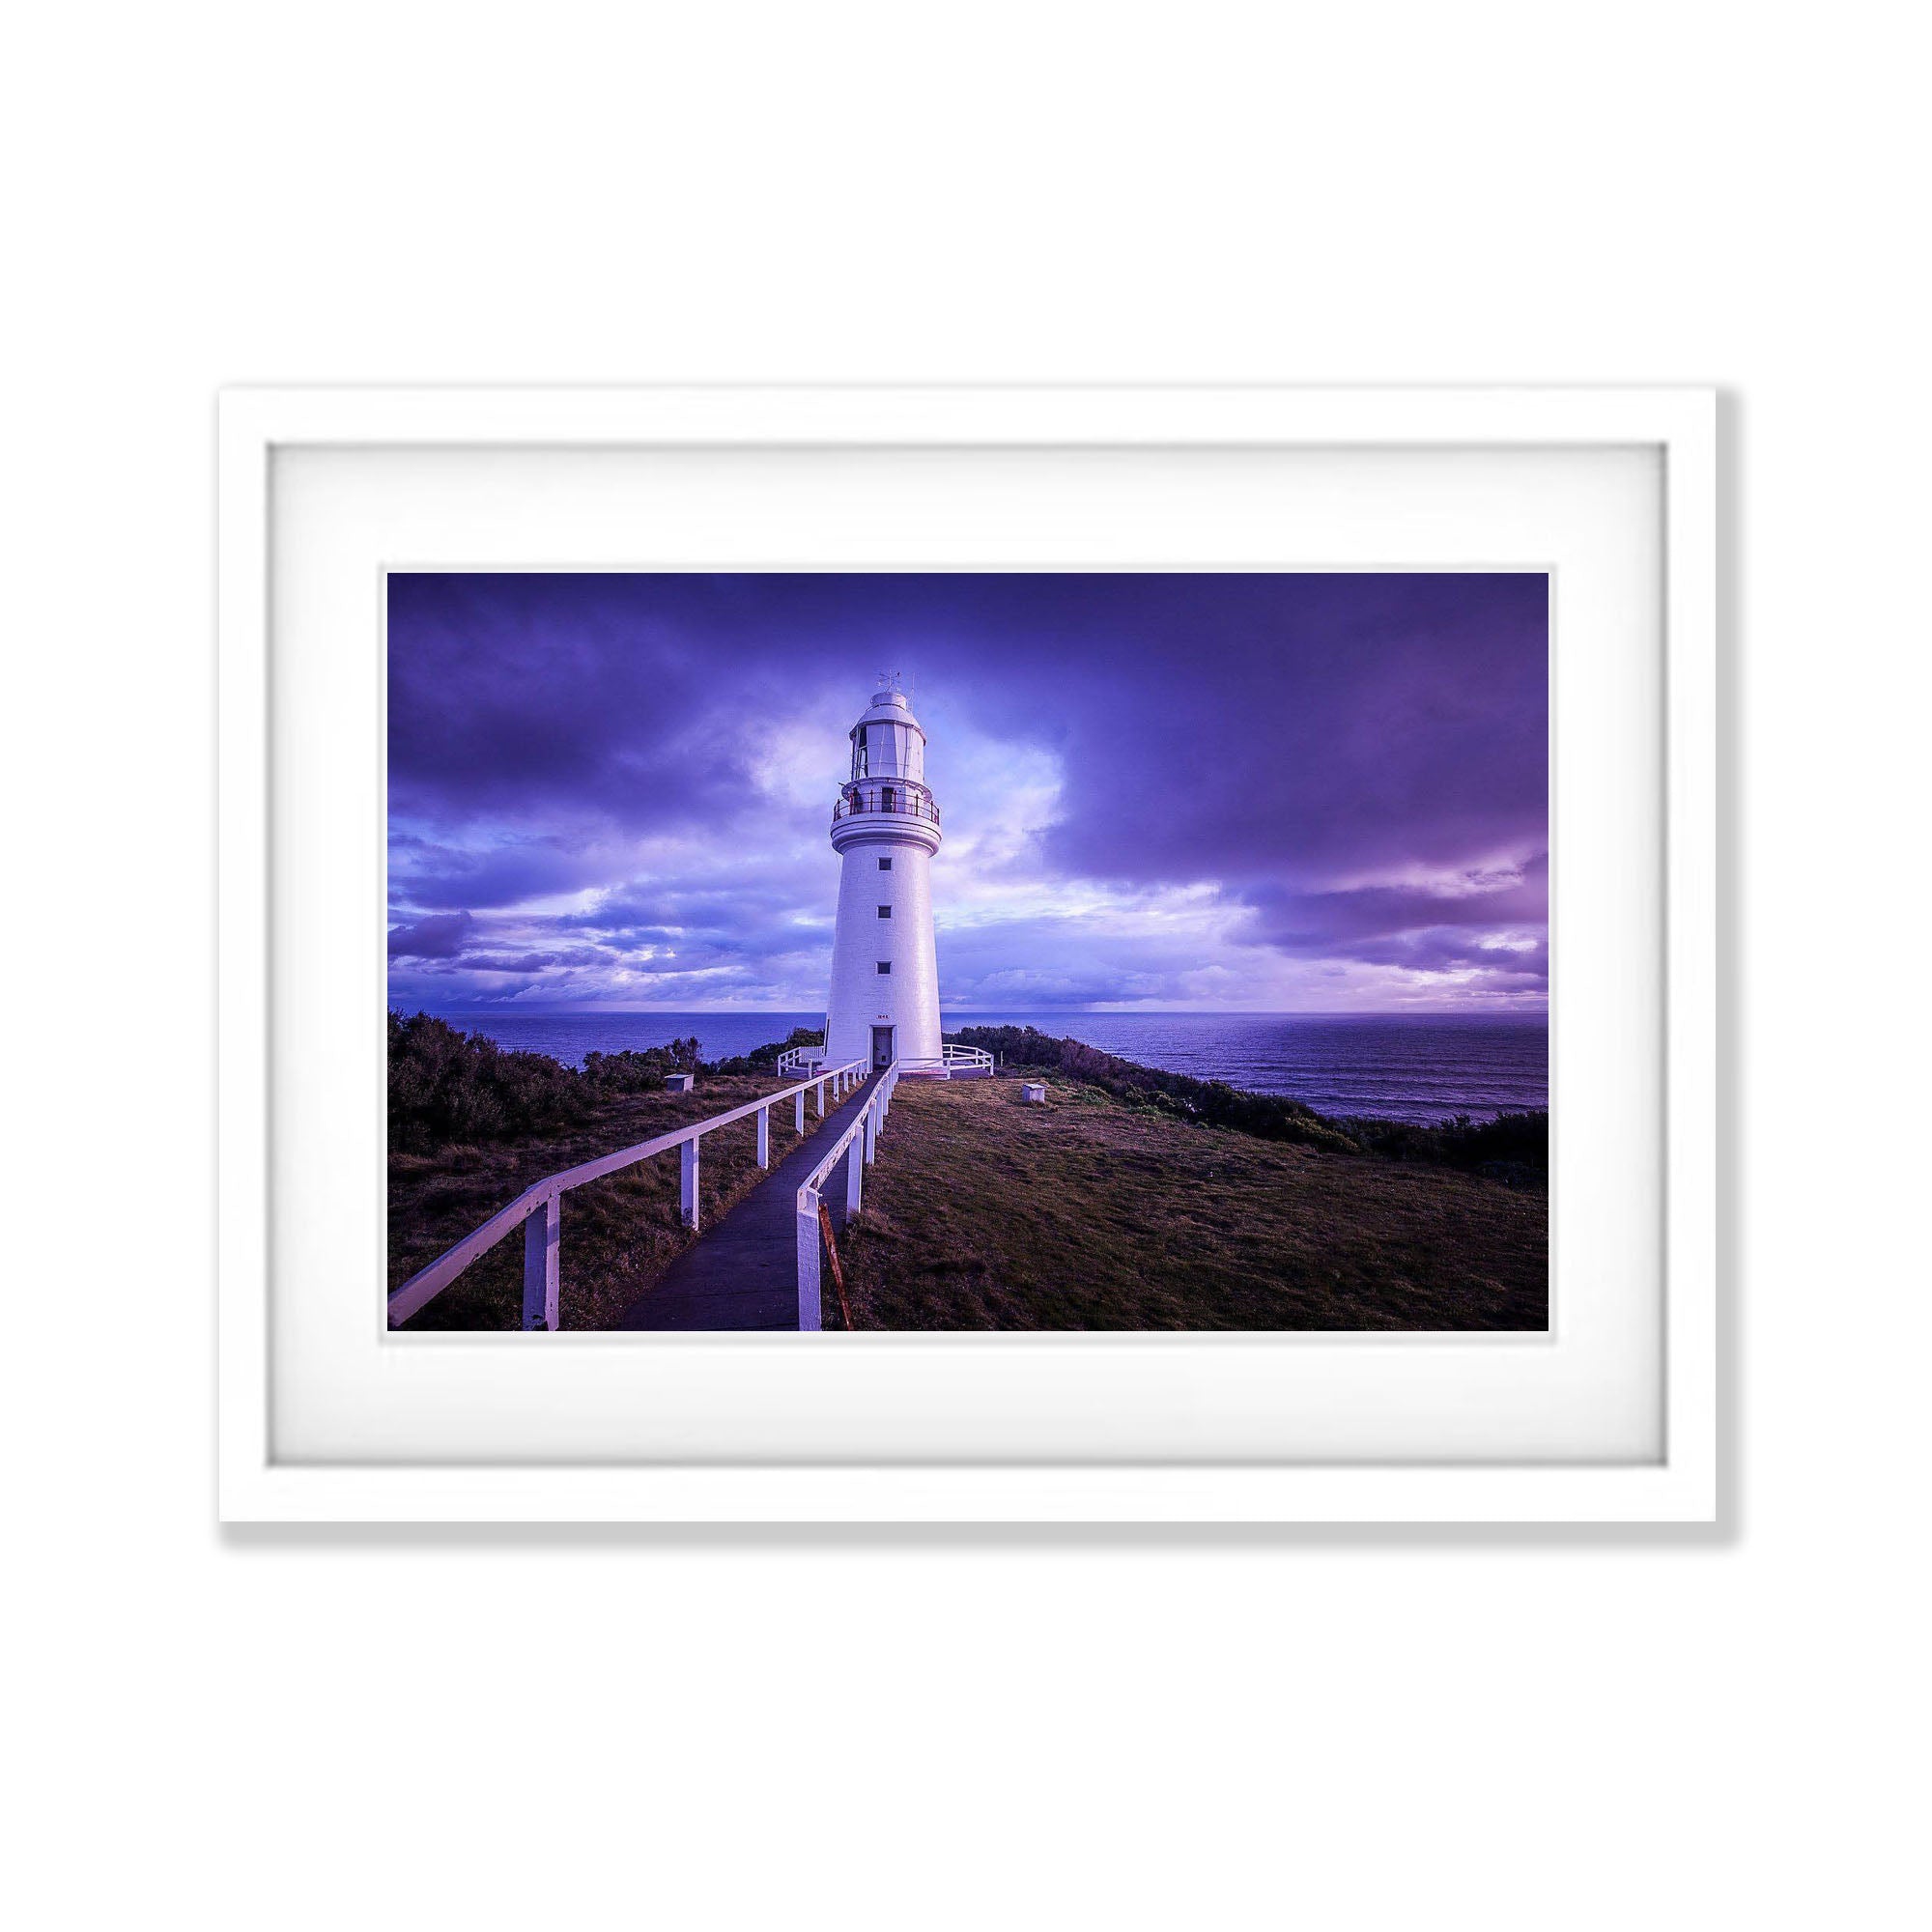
[743, 1271]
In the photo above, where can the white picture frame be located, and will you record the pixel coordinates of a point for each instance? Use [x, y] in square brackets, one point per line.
[1672, 431]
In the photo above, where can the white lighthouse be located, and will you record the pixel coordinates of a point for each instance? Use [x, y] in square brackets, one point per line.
[885, 827]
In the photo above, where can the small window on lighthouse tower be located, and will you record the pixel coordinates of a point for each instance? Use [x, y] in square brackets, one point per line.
[885, 912]
[885, 865]
[884, 965]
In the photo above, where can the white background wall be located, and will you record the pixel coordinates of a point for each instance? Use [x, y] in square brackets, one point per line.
[586, 1728]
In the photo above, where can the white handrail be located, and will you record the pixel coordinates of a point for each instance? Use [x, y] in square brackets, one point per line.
[950, 1060]
[870, 1124]
[542, 1231]
[974, 1058]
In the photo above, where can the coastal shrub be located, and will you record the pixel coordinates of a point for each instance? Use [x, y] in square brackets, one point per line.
[1514, 1147]
[449, 1086]
[761, 1059]
[639, 1072]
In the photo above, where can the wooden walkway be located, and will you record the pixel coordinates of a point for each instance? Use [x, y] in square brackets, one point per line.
[743, 1271]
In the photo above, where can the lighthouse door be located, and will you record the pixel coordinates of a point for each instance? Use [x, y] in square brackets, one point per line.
[882, 1047]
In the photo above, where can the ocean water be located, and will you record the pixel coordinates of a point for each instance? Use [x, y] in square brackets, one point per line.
[1399, 1066]
[568, 1036]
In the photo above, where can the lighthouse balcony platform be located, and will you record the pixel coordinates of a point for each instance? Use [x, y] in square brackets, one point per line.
[901, 800]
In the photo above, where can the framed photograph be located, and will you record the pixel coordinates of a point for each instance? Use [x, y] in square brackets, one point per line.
[967, 956]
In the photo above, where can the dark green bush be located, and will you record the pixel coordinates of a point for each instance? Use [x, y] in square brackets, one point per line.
[449, 1086]
[762, 1059]
[639, 1072]
[1514, 1144]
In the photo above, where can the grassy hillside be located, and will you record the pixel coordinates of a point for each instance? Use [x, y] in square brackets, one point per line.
[1136, 1199]
[1097, 1211]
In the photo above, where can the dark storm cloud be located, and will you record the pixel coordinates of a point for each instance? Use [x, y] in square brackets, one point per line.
[1522, 958]
[526, 962]
[1346, 921]
[440, 936]
[1324, 725]
[539, 700]
[1354, 766]
[506, 875]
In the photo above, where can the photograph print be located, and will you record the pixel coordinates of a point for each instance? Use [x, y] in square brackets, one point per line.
[968, 951]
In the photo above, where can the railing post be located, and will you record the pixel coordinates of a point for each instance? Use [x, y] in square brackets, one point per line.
[808, 1260]
[872, 1134]
[687, 1185]
[855, 1184]
[764, 1137]
[819, 1090]
[543, 1240]
[798, 1110]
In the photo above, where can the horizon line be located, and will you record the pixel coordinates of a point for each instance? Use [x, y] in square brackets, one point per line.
[1102, 1013]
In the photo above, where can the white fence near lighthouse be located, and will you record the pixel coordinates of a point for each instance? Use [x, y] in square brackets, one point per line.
[959, 1060]
[537, 1212]
[862, 1137]
[962, 1059]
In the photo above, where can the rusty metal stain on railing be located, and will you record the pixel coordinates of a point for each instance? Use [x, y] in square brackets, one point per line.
[538, 1210]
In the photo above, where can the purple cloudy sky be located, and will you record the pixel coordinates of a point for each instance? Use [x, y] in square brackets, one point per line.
[1279, 793]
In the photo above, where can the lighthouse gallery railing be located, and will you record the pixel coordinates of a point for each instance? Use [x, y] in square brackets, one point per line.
[537, 1212]
[881, 801]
